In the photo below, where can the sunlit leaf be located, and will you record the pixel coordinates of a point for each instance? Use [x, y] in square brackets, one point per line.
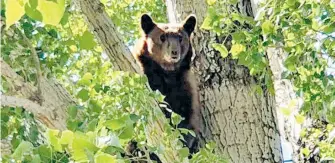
[83, 94]
[24, 148]
[52, 136]
[184, 152]
[300, 118]
[31, 10]
[286, 111]
[67, 137]
[237, 49]
[127, 132]
[86, 41]
[305, 151]
[222, 49]
[86, 79]
[115, 124]
[104, 158]
[211, 2]
[14, 11]
[52, 11]
[267, 27]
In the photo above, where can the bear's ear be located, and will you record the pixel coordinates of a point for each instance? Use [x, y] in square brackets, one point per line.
[189, 24]
[147, 24]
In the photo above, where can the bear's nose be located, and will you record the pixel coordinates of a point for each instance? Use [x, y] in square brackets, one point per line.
[174, 52]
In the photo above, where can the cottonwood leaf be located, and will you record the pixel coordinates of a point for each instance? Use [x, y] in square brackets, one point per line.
[104, 158]
[24, 147]
[52, 11]
[14, 11]
[222, 49]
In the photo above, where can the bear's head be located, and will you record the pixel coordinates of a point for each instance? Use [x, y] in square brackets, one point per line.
[168, 44]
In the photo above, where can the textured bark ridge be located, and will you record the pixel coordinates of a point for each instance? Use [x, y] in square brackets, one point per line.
[56, 99]
[108, 36]
[242, 123]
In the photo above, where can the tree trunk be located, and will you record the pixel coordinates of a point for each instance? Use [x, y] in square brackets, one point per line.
[108, 36]
[242, 123]
[111, 41]
[284, 95]
[56, 100]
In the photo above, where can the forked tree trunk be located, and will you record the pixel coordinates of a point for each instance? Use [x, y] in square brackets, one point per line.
[242, 123]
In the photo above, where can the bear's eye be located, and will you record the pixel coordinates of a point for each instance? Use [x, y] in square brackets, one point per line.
[163, 37]
[180, 38]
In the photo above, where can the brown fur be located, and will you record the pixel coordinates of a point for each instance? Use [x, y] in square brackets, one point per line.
[165, 73]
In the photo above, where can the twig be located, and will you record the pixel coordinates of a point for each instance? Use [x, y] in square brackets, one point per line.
[147, 155]
[37, 64]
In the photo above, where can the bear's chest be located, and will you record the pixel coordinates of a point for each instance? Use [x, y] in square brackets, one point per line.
[172, 85]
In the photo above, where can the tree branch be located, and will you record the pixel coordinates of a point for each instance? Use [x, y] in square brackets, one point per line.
[57, 100]
[42, 114]
[110, 40]
[106, 33]
[37, 64]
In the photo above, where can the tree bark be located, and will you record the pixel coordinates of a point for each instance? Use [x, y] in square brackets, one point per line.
[111, 41]
[242, 123]
[108, 36]
[284, 95]
[56, 99]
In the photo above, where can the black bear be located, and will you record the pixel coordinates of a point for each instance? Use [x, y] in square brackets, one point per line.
[164, 52]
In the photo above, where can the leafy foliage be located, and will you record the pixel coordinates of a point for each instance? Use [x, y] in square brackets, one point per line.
[110, 109]
[304, 29]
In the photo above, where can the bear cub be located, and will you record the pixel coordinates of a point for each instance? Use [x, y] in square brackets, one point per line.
[164, 52]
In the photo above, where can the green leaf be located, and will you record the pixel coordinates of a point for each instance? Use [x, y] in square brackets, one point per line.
[290, 63]
[238, 36]
[305, 151]
[86, 41]
[24, 147]
[86, 79]
[187, 131]
[36, 159]
[101, 157]
[45, 153]
[237, 49]
[222, 49]
[14, 11]
[286, 111]
[267, 27]
[329, 29]
[65, 18]
[83, 94]
[92, 125]
[115, 124]
[80, 144]
[211, 2]
[53, 139]
[184, 152]
[233, 2]
[67, 137]
[134, 117]
[300, 118]
[52, 11]
[128, 132]
[33, 3]
[4, 130]
[31, 10]
[72, 111]
[95, 106]
[207, 24]
[176, 118]
[290, 2]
